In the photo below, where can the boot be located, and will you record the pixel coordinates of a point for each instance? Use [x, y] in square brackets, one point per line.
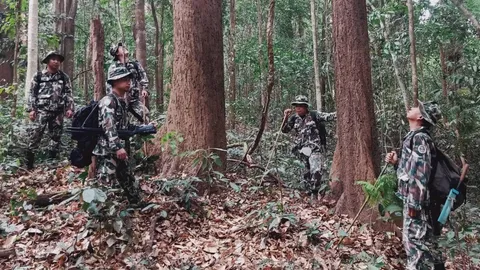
[52, 154]
[30, 159]
[439, 266]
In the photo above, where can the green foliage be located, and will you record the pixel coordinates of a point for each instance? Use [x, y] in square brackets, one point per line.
[382, 193]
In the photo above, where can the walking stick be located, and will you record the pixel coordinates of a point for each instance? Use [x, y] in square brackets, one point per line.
[145, 152]
[361, 208]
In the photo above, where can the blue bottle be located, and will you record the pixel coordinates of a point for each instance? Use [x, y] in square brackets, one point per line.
[447, 207]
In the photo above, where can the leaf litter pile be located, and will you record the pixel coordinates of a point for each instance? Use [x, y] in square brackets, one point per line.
[226, 229]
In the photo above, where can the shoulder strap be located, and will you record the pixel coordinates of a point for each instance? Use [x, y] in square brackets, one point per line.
[38, 80]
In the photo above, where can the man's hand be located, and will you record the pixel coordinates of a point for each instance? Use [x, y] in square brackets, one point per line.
[391, 158]
[287, 112]
[122, 154]
[69, 114]
[144, 94]
[413, 213]
[32, 115]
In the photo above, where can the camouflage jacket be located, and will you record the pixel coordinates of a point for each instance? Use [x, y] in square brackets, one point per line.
[414, 169]
[50, 93]
[305, 128]
[112, 116]
[139, 82]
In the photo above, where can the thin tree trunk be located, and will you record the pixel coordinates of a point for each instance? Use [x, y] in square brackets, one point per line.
[318, 92]
[140, 36]
[59, 9]
[260, 53]
[32, 44]
[271, 76]
[119, 20]
[444, 73]
[159, 52]
[353, 87]
[18, 21]
[231, 67]
[323, 56]
[413, 54]
[468, 15]
[97, 42]
[69, 36]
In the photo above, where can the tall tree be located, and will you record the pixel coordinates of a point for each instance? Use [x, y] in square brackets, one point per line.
[318, 92]
[140, 35]
[7, 54]
[97, 48]
[467, 14]
[197, 103]
[159, 52]
[413, 53]
[231, 66]
[32, 44]
[18, 9]
[70, 11]
[356, 145]
[260, 51]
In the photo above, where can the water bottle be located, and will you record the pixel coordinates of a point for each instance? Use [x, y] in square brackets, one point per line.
[447, 207]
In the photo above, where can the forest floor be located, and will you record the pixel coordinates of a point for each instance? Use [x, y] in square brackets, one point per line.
[235, 230]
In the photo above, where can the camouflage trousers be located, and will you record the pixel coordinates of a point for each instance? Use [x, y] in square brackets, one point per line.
[312, 176]
[44, 119]
[111, 170]
[139, 111]
[420, 241]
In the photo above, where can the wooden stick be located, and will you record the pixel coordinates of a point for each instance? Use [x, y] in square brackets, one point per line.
[5, 253]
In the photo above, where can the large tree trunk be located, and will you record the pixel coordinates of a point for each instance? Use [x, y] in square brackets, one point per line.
[97, 48]
[159, 52]
[231, 67]
[318, 91]
[413, 54]
[18, 21]
[32, 44]
[141, 36]
[468, 15]
[356, 147]
[69, 36]
[58, 11]
[197, 103]
[271, 76]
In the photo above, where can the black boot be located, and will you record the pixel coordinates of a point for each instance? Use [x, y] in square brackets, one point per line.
[439, 266]
[30, 159]
[52, 154]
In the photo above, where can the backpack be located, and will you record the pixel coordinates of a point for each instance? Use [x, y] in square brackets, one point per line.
[445, 175]
[86, 116]
[322, 131]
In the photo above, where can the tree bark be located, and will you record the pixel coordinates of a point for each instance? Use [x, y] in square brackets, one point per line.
[271, 76]
[444, 73]
[260, 53]
[119, 20]
[58, 10]
[6, 69]
[468, 15]
[97, 46]
[197, 103]
[141, 36]
[69, 36]
[231, 67]
[413, 54]
[32, 44]
[356, 149]
[18, 21]
[159, 52]
[318, 92]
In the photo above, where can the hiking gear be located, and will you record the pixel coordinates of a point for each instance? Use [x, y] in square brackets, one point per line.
[450, 202]
[430, 111]
[50, 54]
[322, 130]
[50, 92]
[118, 73]
[301, 100]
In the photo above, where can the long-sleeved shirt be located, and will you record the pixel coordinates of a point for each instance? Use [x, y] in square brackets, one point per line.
[50, 92]
[305, 128]
[414, 169]
[139, 81]
[112, 116]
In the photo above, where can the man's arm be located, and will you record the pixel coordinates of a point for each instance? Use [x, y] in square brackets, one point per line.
[109, 124]
[419, 168]
[288, 125]
[143, 77]
[32, 97]
[69, 102]
[322, 116]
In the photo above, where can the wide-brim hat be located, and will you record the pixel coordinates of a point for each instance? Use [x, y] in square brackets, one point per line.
[301, 101]
[50, 55]
[117, 74]
[430, 112]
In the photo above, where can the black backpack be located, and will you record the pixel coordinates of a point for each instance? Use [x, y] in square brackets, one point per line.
[445, 176]
[321, 128]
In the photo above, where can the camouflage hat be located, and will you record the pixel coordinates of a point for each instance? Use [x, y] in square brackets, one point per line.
[430, 111]
[118, 73]
[301, 101]
[51, 54]
[114, 49]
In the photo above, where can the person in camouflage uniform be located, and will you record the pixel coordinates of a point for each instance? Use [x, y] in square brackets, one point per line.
[112, 158]
[414, 167]
[139, 85]
[50, 98]
[308, 146]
